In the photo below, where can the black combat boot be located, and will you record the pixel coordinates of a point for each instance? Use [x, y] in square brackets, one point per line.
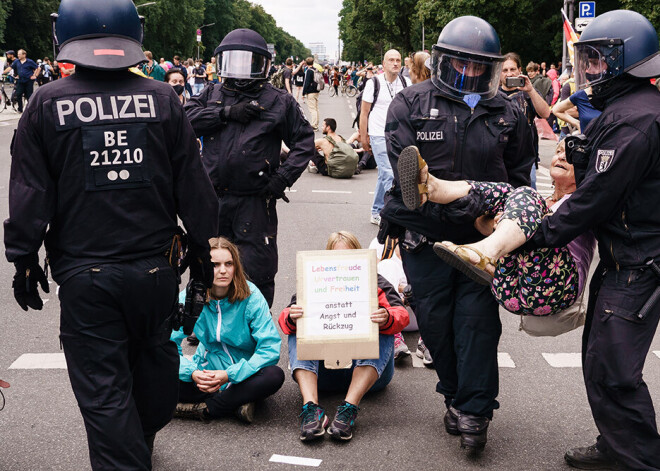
[589, 457]
[474, 431]
[451, 421]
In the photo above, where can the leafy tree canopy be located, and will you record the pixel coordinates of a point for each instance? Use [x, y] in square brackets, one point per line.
[170, 26]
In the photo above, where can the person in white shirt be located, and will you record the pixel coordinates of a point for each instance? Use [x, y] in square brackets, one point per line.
[376, 100]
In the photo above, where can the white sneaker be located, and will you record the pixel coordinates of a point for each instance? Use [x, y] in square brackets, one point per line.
[312, 168]
[375, 219]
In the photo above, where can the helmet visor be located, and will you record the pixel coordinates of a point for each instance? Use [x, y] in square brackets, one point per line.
[460, 75]
[597, 62]
[239, 64]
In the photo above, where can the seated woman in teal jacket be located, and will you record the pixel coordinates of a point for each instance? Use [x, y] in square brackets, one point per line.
[236, 361]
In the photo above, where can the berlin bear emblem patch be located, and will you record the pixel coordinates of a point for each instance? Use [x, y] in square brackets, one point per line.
[604, 160]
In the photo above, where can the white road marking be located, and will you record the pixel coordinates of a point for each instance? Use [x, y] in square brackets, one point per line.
[290, 191]
[416, 361]
[353, 115]
[295, 460]
[504, 360]
[333, 191]
[563, 360]
[545, 185]
[543, 171]
[39, 361]
[657, 353]
[371, 192]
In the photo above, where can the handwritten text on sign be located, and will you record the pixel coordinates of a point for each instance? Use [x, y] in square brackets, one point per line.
[338, 298]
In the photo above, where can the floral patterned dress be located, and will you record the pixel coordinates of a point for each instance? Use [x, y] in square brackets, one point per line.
[538, 282]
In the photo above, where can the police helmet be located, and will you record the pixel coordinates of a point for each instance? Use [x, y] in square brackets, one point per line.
[614, 43]
[103, 35]
[243, 55]
[467, 59]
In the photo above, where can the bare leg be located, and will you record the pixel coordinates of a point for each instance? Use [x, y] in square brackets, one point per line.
[442, 191]
[507, 237]
[363, 378]
[308, 384]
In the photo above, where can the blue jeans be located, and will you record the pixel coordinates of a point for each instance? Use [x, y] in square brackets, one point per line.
[340, 380]
[532, 176]
[385, 174]
[197, 88]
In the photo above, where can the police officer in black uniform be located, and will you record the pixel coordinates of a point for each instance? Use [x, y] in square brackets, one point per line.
[617, 170]
[243, 121]
[465, 129]
[102, 164]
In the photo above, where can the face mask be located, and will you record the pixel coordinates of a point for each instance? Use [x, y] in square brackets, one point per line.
[178, 89]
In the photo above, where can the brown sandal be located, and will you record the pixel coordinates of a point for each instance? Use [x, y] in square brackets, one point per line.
[457, 257]
[409, 164]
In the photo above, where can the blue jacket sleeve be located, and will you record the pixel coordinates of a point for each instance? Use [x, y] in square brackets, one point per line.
[186, 366]
[263, 331]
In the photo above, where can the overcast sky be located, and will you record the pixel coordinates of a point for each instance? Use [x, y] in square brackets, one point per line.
[308, 20]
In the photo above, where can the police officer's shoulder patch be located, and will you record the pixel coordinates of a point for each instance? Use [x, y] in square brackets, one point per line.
[604, 159]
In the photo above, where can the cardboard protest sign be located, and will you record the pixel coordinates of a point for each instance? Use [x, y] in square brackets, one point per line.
[338, 291]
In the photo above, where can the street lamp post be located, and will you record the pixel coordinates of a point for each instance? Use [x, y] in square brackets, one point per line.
[199, 36]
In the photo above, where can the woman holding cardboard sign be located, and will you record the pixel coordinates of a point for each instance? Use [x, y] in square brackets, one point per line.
[362, 377]
[236, 361]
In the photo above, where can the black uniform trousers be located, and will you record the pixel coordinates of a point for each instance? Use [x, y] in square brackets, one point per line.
[460, 325]
[22, 90]
[122, 366]
[250, 222]
[615, 345]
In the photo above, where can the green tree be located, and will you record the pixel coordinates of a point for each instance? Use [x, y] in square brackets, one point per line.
[171, 26]
[28, 26]
[5, 9]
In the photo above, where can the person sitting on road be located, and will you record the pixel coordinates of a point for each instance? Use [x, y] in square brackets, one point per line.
[363, 376]
[539, 282]
[235, 364]
[367, 160]
[337, 161]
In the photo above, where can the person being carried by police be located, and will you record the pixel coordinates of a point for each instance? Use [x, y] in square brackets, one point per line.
[617, 171]
[464, 129]
[243, 121]
[102, 165]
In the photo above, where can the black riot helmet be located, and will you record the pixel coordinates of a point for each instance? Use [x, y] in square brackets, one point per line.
[467, 59]
[243, 56]
[616, 43]
[103, 35]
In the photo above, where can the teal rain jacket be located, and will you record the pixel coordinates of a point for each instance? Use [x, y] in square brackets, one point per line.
[240, 338]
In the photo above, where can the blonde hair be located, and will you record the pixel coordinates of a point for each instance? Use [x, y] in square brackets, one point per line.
[239, 289]
[345, 237]
[418, 66]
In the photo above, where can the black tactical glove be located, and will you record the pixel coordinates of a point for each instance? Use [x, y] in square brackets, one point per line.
[275, 188]
[242, 112]
[28, 274]
[201, 267]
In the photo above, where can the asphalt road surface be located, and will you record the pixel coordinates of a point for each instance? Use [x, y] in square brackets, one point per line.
[543, 410]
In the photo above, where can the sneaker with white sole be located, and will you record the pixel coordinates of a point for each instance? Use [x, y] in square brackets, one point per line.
[342, 426]
[401, 350]
[312, 168]
[313, 422]
[423, 353]
[375, 219]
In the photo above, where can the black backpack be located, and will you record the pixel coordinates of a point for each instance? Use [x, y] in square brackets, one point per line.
[358, 98]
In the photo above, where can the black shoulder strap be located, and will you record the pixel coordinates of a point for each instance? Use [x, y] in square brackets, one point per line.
[403, 80]
[376, 89]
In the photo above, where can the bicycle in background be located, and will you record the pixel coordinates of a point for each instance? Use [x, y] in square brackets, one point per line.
[5, 100]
